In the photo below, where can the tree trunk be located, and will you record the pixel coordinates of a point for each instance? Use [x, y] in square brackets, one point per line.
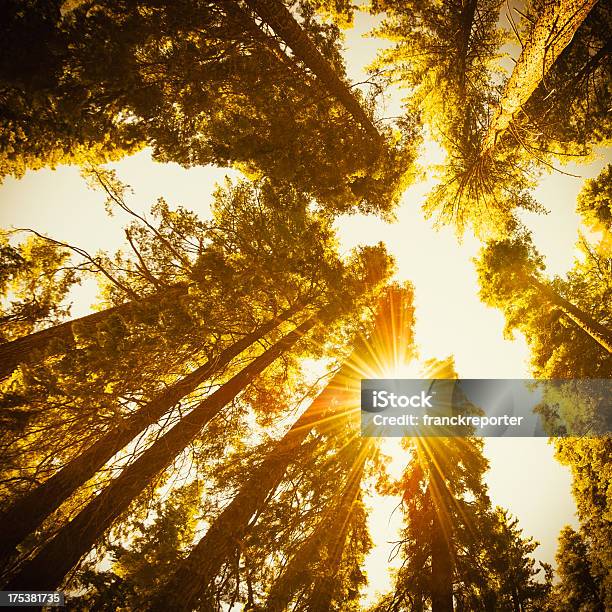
[50, 565]
[22, 349]
[276, 15]
[551, 33]
[323, 590]
[197, 572]
[28, 512]
[599, 333]
[441, 553]
[466, 19]
[441, 570]
[325, 534]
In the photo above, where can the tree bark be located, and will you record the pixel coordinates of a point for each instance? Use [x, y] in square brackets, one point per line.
[441, 557]
[50, 565]
[551, 33]
[196, 573]
[279, 18]
[599, 333]
[466, 19]
[28, 512]
[23, 349]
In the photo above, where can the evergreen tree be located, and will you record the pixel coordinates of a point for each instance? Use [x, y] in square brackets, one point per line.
[564, 350]
[36, 277]
[195, 576]
[458, 554]
[556, 24]
[567, 113]
[577, 588]
[83, 531]
[153, 551]
[595, 203]
[444, 54]
[280, 19]
[200, 83]
[510, 273]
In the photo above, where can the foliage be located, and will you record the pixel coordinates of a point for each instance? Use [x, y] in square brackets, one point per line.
[200, 83]
[595, 201]
[35, 279]
[568, 113]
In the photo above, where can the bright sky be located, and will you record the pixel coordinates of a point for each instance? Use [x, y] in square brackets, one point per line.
[524, 476]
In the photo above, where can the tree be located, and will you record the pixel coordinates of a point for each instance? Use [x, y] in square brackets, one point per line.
[563, 351]
[92, 521]
[195, 575]
[166, 266]
[36, 343]
[444, 54]
[589, 461]
[257, 263]
[457, 552]
[326, 586]
[51, 564]
[280, 19]
[567, 113]
[594, 201]
[27, 512]
[263, 253]
[506, 576]
[153, 550]
[551, 33]
[164, 67]
[577, 588]
[511, 269]
[37, 277]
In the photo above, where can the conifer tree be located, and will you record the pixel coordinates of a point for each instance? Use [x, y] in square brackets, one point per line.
[454, 546]
[50, 565]
[595, 203]
[27, 512]
[551, 33]
[444, 55]
[121, 76]
[512, 269]
[577, 588]
[92, 521]
[564, 350]
[194, 577]
[567, 113]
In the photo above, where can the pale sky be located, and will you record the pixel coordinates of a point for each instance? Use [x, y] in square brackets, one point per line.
[524, 477]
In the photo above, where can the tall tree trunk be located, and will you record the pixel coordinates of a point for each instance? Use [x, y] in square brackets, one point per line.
[279, 18]
[441, 553]
[466, 19]
[28, 512]
[327, 533]
[324, 588]
[22, 349]
[551, 33]
[599, 333]
[50, 565]
[196, 573]
[441, 570]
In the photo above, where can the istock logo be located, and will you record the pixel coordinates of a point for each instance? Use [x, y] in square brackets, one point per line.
[384, 399]
[377, 400]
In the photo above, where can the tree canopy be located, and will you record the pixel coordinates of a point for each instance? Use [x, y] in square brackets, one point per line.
[193, 441]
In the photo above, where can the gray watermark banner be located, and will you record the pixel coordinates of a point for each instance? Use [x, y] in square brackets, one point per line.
[31, 599]
[486, 407]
